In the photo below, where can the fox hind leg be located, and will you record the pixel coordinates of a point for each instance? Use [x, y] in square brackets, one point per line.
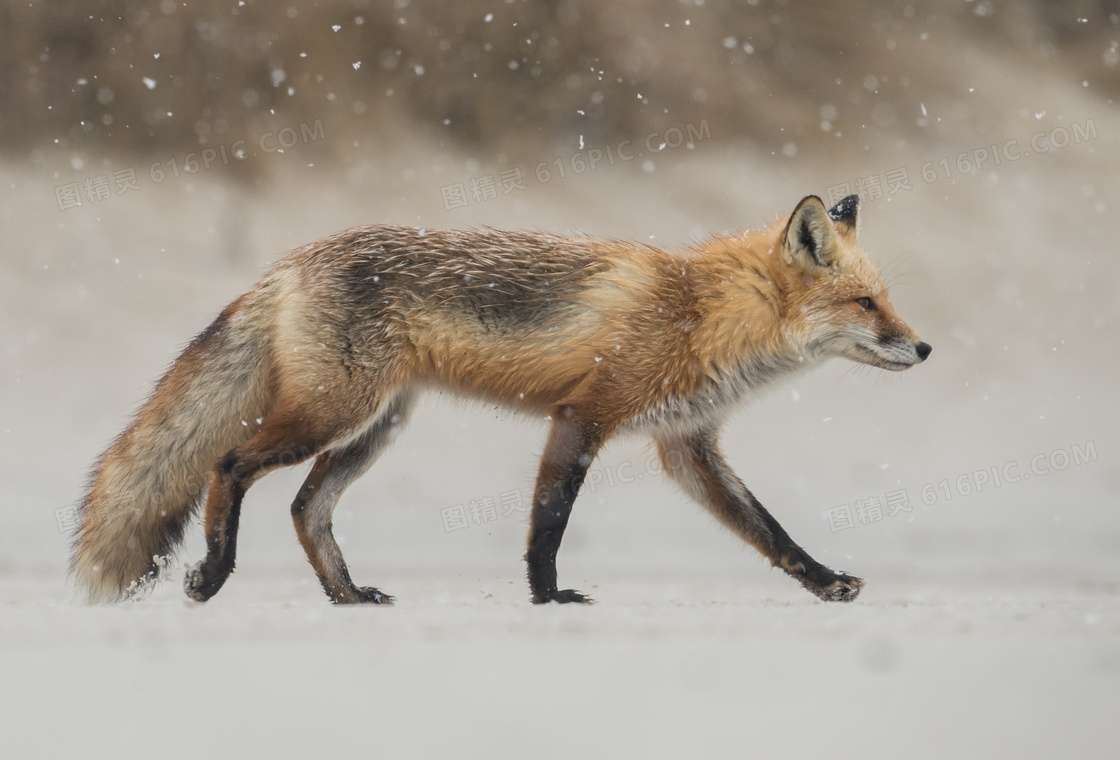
[286, 438]
[313, 507]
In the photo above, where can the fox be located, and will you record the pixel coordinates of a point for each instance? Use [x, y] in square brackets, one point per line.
[325, 357]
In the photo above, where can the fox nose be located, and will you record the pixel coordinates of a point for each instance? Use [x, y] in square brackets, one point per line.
[923, 350]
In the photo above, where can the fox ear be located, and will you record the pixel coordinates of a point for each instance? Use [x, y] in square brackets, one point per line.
[810, 236]
[846, 215]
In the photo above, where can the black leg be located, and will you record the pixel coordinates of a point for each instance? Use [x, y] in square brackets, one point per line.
[696, 463]
[206, 578]
[567, 456]
[315, 504]
[276, 445]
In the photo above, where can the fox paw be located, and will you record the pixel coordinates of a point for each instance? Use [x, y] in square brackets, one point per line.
[195, 585]
[366, 595]
[564, 596]
[842, 588]
[201, 582]
[345, 592]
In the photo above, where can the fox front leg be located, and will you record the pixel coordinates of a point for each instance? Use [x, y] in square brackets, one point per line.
[567, 455]
[697, 465]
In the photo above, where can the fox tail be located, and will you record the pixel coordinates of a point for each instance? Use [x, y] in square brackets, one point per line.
[151, 480]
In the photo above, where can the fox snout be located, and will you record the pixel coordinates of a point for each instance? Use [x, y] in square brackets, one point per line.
[896, 354]
[921, 351]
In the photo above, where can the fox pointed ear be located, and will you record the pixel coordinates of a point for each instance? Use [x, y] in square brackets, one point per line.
[810, 237]
[846, 215]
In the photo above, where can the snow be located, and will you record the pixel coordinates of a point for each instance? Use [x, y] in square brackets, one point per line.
[990, 623]
[975, 636]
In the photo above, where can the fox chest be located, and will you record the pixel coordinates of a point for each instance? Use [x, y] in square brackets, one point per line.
[715, 397]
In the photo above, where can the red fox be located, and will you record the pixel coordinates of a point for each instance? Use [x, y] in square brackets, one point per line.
[324, 358]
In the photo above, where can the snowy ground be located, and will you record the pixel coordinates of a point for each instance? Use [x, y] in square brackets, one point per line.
[990, 626]
[706, 662]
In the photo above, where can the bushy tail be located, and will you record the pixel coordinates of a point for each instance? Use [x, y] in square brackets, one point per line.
[149, 483]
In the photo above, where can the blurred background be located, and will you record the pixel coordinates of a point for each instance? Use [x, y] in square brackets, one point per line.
[155, 157]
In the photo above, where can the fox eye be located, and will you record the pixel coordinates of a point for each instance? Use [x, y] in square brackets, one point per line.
[867, 304]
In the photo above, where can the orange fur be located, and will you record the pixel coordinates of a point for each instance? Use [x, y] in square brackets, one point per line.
[601, 335]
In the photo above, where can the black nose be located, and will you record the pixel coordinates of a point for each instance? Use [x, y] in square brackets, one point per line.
[923, 350]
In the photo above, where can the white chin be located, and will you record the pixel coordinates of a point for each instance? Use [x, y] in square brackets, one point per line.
[871, 358]
[887, 364]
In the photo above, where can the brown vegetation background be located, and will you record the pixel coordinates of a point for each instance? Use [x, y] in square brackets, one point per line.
[501, 76]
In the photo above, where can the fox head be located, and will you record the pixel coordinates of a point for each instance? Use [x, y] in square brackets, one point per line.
[837, 303]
